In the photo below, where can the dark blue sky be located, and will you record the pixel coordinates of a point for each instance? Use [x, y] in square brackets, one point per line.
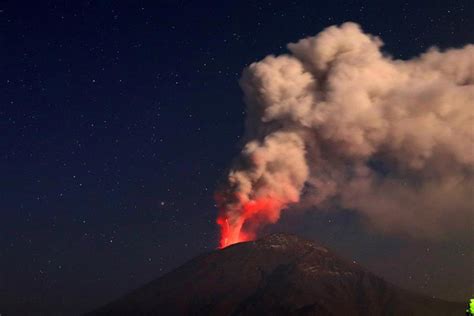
[119, 117]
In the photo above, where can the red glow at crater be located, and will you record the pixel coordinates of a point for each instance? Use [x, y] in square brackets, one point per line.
[243, 225]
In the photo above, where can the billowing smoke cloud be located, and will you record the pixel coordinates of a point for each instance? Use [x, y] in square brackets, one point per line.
[338, 124]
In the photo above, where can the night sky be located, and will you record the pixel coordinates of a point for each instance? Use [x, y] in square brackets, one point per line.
[118, 119]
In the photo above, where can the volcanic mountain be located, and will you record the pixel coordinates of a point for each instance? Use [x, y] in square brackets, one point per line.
[277, 275]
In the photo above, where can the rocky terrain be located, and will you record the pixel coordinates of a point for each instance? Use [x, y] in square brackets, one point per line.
[279, 274]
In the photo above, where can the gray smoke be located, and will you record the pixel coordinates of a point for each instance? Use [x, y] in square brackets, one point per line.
[338, 124]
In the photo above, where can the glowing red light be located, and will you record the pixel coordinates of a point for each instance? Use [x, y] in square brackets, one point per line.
[252, 215]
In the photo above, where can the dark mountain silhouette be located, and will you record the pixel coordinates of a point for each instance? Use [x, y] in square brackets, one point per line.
[280, 274]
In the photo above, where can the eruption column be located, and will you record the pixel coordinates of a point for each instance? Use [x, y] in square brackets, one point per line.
[338, 124]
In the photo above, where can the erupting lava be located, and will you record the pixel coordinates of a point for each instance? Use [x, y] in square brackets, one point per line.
[241, 225]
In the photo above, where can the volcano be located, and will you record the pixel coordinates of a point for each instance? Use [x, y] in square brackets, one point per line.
[279, 274]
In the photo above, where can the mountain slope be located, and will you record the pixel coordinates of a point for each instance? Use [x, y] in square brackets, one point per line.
[278, 275]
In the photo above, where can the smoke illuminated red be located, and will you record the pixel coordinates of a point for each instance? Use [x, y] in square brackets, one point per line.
[242, 226]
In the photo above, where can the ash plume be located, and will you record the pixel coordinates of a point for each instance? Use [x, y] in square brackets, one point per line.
[336, 123]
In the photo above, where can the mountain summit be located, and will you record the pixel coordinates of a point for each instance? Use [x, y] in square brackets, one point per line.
[279, 274]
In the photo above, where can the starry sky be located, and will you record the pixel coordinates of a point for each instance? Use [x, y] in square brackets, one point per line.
[118, 119]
